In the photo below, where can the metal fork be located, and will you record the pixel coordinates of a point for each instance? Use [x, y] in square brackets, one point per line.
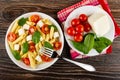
[53, 54]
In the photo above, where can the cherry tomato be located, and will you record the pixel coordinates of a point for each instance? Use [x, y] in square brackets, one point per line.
[32, 29]
[79, 28]
[71, 31]
[26, 61]
[31, 46]
[78, 37]
[57, 45]
[46, 58]
[83, 18]
[87, 27]
[45, 29]
[34, 18]
[11, 36]
[75, 22]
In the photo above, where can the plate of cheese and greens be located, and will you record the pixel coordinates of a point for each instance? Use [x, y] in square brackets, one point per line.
[89, 30]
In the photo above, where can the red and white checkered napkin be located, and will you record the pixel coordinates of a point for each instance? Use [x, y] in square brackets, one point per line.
[63, 14]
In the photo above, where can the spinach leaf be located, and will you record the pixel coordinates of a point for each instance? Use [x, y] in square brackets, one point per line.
[48, 45]
[25, 47]
[22, 21]
[101, 43]
[55, 28]
[16, 54]
[36, 37]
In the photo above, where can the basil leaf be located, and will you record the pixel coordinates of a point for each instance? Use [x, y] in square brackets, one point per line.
[101, 43]
[22, 21]
[89, 41]
[25, 47]
[36, 37]
[55, 28]
[48, 45]
[16, 54]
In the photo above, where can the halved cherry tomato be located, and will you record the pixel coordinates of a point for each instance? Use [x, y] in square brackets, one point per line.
[71, 31]
[87, 27]
[78, 37]
[32, 29]
[45, 29]
[31, 46]
[83, 17]
[57, 45]
[79, 28]
[46, 58]
[75, 22]
[11, 36]
[26, 61]
[34, 18]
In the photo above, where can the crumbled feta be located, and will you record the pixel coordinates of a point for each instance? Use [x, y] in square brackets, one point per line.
[56, 34]
[40, 23]
[29, 37]
[21, 31]
[38, 58]
[26, 26]
[16, 47]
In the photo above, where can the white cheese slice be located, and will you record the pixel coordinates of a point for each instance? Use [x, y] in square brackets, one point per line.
[40, 23]
[99, 23]
[16, 47]
[56, 35]
[26, 26]
[29, 37]
[21, 31]
[38, 58]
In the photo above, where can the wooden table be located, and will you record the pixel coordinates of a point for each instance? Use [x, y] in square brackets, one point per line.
[108, 66]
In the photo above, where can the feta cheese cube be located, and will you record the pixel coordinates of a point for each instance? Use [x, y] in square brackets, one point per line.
[21, 31]
[29, 37]
[16, 47]
[38, 58]
[26, 26]
[40, 23]
[56, 34]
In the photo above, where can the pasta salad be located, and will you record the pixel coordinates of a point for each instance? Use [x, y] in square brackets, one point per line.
[28, 35]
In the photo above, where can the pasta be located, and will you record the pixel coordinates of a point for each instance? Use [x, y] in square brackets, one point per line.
[51, 32]
[15, 25]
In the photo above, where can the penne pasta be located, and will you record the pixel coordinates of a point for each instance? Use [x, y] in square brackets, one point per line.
[52, 41]
[16, 31]
[15, 25]
[51, 32]
[40, 45]
[11, 45]
[30, 23]
[37, 47]
[47, 37]
[47, 21]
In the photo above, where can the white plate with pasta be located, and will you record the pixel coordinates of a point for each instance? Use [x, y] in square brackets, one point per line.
[27, 34]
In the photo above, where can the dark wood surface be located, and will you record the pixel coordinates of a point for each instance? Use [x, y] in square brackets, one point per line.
[107, 66]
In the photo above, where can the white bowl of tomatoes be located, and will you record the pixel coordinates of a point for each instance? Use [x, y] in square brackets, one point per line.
[25, 37]
[79, 33]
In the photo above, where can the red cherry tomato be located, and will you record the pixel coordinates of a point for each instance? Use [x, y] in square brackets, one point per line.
[79, 28]
[78, 37]
[46, 58]
[26, 61]
[71, 31]
[31, 46]
[83, 18]
[87, 27]
[57, 45]
[45, 29]
[75, 22]
[32, 29]
[34, 18]
[11, 36]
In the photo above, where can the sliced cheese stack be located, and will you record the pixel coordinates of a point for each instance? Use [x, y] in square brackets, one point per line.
[99, 23]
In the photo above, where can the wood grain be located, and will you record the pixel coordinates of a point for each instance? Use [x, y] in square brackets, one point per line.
[108, 66]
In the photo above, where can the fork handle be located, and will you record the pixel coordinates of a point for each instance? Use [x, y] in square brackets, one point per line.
[82, 65]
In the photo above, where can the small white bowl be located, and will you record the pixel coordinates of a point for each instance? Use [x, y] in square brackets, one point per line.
[41, 66]
[88, 10]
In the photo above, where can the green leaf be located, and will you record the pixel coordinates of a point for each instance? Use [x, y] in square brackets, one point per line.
[16, 54]
[25, 47]
[48, 45]
[22, 21]
[101, 43]
[36, 37]
[55, 28]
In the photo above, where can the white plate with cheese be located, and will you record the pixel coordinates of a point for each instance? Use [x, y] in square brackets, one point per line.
[93, 20]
